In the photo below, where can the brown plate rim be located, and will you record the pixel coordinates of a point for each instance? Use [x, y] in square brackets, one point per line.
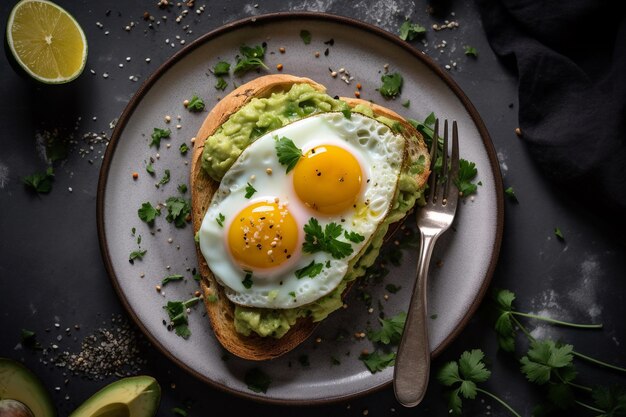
[268, 18]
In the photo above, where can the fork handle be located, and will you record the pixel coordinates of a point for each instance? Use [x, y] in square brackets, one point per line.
[412, 367]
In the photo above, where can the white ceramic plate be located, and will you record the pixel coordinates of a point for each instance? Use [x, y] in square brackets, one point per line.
[468, 252]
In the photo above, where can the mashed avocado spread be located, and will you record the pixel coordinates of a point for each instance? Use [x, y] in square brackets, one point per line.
[262, 115]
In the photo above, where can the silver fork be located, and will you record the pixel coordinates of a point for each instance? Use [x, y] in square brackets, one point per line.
[412, 366]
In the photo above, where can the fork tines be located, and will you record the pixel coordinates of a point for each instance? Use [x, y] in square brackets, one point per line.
[439, 181]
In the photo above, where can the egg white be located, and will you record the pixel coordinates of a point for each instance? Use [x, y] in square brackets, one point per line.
[380, 152]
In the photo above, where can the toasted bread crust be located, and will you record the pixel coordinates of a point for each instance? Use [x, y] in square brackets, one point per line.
[219, 309]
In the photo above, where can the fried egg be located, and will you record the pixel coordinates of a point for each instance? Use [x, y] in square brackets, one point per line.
[298, 207]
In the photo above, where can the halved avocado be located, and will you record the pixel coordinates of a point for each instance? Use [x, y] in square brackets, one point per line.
[22, 392]
[136, 396]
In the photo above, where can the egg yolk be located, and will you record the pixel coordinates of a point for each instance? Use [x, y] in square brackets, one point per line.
[328, 179]
[263, 235]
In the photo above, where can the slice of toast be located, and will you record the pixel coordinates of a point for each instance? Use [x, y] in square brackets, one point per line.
[220, 309]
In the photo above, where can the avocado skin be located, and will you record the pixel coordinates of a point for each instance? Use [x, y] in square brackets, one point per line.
[136, 396]
[18, 383]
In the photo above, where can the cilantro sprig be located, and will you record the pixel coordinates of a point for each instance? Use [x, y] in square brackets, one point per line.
[506, 321]
[317, 239]
[148, 213]
[196, 104]
[463, 376]
[178, 211]
[288, 153]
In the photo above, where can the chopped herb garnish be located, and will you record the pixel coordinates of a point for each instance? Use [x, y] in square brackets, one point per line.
[221, 68]
[250, 190]
[392, 288]
[170, 278]
[196, 104]
[558, 233]
[220, 219]
[247, 280]
[165, 179]
[407, 104]
[470, 51]
[178, 211]
[257, 380]
[305, 35]
[29, 339]
[288, 153]
[40, 182]
[426, 127]
[150, 168]
[182, 188]
[184, 148]
[221, 84]
[251, 58]
[137, 254]
[179, 411]
[177, 312]
[311, 270]
[392, 85]
[509, 192]
[347, 113]
[159, 134]
[325, 240]
[148, 213]
[410, 31]
[354, 237]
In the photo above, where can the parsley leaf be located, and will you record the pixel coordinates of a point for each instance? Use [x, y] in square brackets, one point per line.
[196, 104]
[137, 254]
[410, 31]
[40, 182]
[305, 35]
[170, 278]
[390, 331]
[158, 134]
[317, 240]
[150, 168]
[392, 85]
[288, 153]
[250, 190]
[148, 213]
[377, 361]
[467, 172]
[221, 68]
[311, 270]
[183, 148]
[257, 380]
[178, 211]
[252, 58]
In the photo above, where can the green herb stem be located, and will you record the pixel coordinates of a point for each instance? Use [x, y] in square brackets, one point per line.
[522, 328]
[554, 321]
[505, 405]
[582, 387]
[589, 407]
[597, 362]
